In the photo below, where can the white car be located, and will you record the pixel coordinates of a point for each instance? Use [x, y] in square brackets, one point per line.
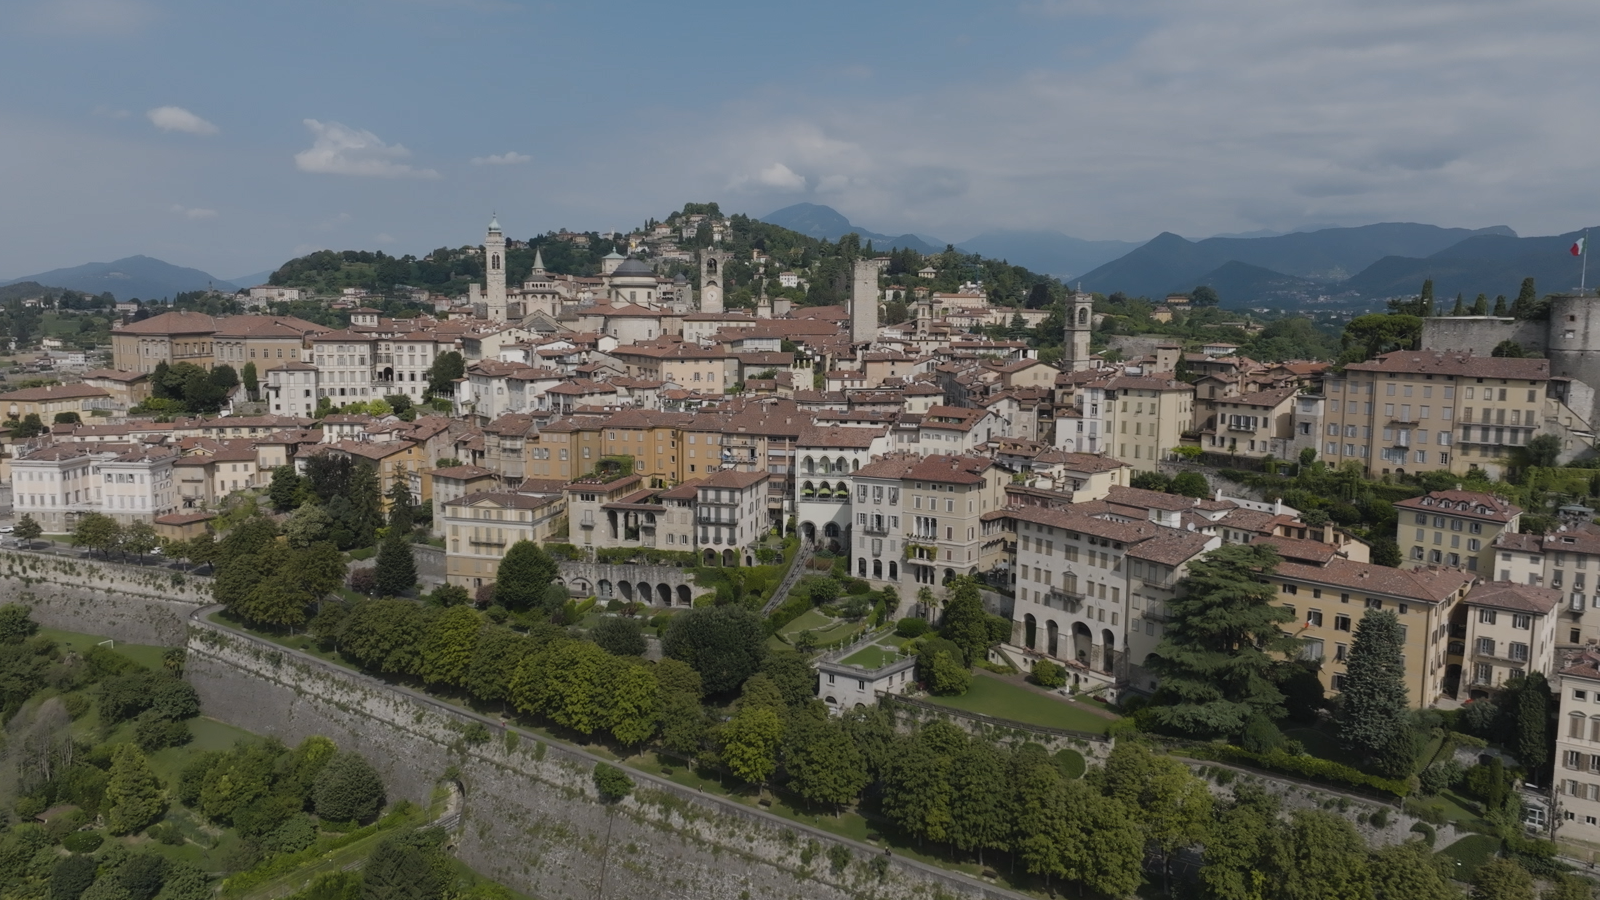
[7, 529]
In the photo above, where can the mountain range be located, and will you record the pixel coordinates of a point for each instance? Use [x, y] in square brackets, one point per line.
[134, 276]
[1043, 251]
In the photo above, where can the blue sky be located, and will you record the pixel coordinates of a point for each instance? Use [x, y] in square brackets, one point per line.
[231, 136]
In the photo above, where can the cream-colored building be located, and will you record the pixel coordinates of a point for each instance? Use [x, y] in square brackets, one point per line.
[56, 484]
[1142, 417]
[479, 529]
[1577, 770]
[1510, 632]
[1566, 560]
[730, 512]
[1255, 425]
[1418, 411]
[290, 389]
[48, 401]
[919, 521]
[170, 338]
[266, 341]
[1453, 528]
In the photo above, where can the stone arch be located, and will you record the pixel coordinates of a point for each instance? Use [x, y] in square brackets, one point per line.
[810, 465]
[949, 576]
[855, 465]
[1108, 642]
[841, 490]
[877, 568]
[729, 558]
[582, 586]
[841, 466]
[605, 590]
[894, 570]
[625, 589]
[808, 532]
[710, 556]
[861, 566]
[1082, 642]
[807, 490]
[664, 594]
[711, 266]
[685, 596]
[1083, 316]
[1030, 631]
[1052, 638]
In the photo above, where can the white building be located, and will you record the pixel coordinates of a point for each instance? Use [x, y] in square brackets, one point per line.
[730, 513]
[291, 389]
[1577, 771]
[827, 458]
[844, 688]
[57, 484]
[1510, 632]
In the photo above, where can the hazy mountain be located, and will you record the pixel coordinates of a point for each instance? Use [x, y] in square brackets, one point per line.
[135, 276]
[1047, 252]
[1240, 284]
[1329, 255]
[249, 281]
[826, 223]
[1489, 264]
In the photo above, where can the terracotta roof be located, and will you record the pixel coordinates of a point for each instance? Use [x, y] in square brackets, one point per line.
[1456, 363]
[462, 473]
[937, 468]
[115, 375]
[1466, 504]
[503, 499]
[1171, 546]
[1515, 597]
[1432, 585]
[728, 478]
[55, 392]
[170, 323]
[840, 438]
[1144, 499]
[1295, 550]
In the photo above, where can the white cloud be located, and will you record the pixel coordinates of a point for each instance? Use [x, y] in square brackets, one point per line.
[776, 177]
[176, 118]
[341, 150]
[1226, 115]
[193, 212]
[513, 158]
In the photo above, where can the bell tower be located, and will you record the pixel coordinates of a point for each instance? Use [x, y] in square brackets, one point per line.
[494, 268]
[712, 263]
[1080, 322]
[864, 300]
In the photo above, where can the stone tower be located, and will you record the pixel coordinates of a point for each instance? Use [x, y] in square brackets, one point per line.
[494, 268]
[711, 283]
[1080, 321]
[864, 301]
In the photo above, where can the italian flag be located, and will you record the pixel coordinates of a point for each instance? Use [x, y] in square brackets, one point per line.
[1577, 247]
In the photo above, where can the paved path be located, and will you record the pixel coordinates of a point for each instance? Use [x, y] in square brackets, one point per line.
[790, 578]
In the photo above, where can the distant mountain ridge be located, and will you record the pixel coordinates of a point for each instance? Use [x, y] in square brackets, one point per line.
[1043, 251]
[135, 276]
[1333, 255]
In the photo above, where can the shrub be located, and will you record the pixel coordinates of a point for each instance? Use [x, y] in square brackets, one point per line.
[364, 581]
[71, 877]
[347, 789]
[792, 608]
[911, 626]
[1308, 767]
[83, 841]
[1047, 674]
[1260, 735]
[612, 783]
[1380, 819]
[856, 586]
[1429, 835]
[1070, 762]
[76, 705]
[1429, 811]
[1442, 774]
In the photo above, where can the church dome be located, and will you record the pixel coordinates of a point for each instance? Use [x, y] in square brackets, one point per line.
[633, 267]
[494, 223]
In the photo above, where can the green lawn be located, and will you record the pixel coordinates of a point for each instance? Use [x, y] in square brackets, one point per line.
[872, 656]
[1004, 700]
[1470, 853]
[808, 620]
[143, 654]
[837, 632]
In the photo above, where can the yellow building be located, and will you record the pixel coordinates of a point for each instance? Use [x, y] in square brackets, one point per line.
[479, 529]
[1144, 415]
[1329, 600]
[267, 341]
[170, 338]
[45, 402]
[1453, 528]
[1418, 411]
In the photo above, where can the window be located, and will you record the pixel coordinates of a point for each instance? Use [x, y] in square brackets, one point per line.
[1314, 616]
[1341, 623]
[1485, 646]
[1374, 603]
[1486, 616]
[1340, 652]
[1519, 652]
[1521, 620]
[1580, 695]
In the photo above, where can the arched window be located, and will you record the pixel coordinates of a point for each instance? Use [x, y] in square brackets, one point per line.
[861, 567]
[495, 262]
[711, 266]
[1083, 316]
[1594, 728]
[1575, 726]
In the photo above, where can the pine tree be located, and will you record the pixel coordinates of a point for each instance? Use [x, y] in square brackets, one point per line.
[1460, 307]
[366, 504]
[27, 528]
[1220, 654]
[1374, 713]
[1480, 306]
[1500, 305]
[396, 567]
[252, 383]
[1425, 302]
[284, 489]
[134, 796]
[402, 508]
[1527, 297]
[525, 571]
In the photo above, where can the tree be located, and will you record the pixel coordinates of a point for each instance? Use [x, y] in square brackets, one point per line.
[308, 525]
[1543, 450]
[1368, 336]
[97, 532]
[1174, 805]
[1502, 879]
[1524, 723]
[185, 881]
[1386, 552]
[252, 383]
[1460, 308]
[1374, 715]
[1567, 887]
[1527, 297]
[27, 529]
[396, 566]
[67, 418]
[1318, 856]
[1425, 302]
[917, 789]
[631, 704]
[450, 646]
[408, 865]
[1236, 858]
[750, 743]
[823, 764]
[347, 789]
[1410, 871]
[948, 675]
[525, 571]
[72, 876]
[619, 636]
[1204, 295]
[446, 368]
[134, 797]
[1152, 481]
[366, 504]
[30, 426]
[1191, 484]
[965, 623]
[139, 538]
[284, 490]
[564, 682]
[979, 818]
[1500, 305]
[725, 644]
[1047, 674]
[1508, 349]
[1220, 654]
[402, 507]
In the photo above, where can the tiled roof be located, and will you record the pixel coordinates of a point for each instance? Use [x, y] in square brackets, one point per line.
[1514, 597]
[1432, 585]
[1420, 362]
[1467, 504]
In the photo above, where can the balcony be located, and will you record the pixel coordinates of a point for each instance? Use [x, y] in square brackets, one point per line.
[1241, 427]
[1165, 584]
[487, 542]
[1063, 600]
[587, 521]
[1157, 611]
[878, 527]
[710, 518]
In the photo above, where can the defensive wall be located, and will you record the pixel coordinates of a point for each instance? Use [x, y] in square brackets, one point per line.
[532, 817]
[649, 584]
[129, 603]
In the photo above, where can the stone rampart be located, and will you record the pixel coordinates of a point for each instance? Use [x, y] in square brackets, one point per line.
[130, 603]
[532, 818]
[649, 584]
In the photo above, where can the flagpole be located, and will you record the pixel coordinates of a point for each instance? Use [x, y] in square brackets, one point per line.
[1583, 277]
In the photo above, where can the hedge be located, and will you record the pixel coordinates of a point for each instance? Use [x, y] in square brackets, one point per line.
[1308, 767]
[648, 555]
[563, 551]
[792, 608]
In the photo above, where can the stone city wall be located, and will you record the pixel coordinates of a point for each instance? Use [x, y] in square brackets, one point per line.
[138, 604]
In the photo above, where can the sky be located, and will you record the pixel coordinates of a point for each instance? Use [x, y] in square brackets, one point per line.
[231, 136]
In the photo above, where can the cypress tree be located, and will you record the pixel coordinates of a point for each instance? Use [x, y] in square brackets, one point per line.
[396, 567]
[1500, 305]
[1425, 302]
[1480, 306]
[1460, 308]
[1526, 297]
[1374, 715]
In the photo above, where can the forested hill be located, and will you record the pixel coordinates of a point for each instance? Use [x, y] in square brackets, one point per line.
[824, 264]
